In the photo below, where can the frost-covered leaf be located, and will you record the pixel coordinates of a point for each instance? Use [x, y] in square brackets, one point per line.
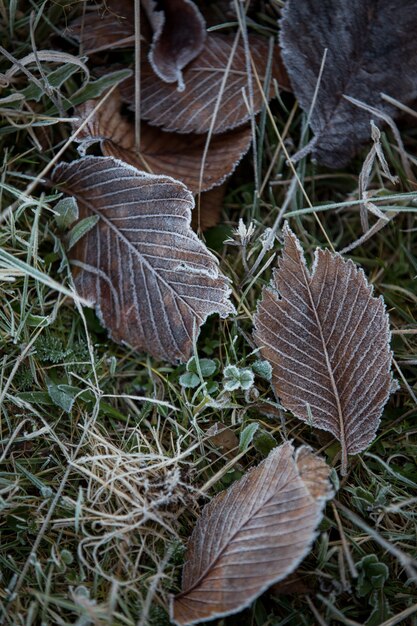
[252, 535]
[237, 378]
[327, 339]
[80, 229]
[247, 435]
[188, 380]
[66, 212]
[152, 280]
[371, 48]
[262, 369]
[179, 36]
[191, 110]
[171, 154]
[207, 367]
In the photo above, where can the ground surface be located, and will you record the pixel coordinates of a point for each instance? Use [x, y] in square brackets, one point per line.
[99, 491]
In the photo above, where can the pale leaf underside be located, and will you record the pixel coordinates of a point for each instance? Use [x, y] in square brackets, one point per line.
[179, 156]
[371, 48]
[252, 535]
[153, 281]
[191, 110]
[327, 339]
[179, 36]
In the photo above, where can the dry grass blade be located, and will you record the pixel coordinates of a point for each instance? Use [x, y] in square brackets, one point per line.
[191, 110]
[171, 154]
[327, 339]
[179, 36]
[371, 49]
[153, 282]
[252, 535]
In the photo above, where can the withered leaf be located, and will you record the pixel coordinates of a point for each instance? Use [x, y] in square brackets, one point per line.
[104, 28]
[223, 437]
[208, 209]
[179, 36]
[327, 339]
[191, 110]
[152, 280]
[171, 154]
[371, 48]
[252, 535]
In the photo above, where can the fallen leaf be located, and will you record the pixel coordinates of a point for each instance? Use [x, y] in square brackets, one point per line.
[327, 339]
[104, 29]
[371, 48]
[252, 535]
[223, 437]
[208, 209]
[293, 584]
[152, 280]
[191, 110]
[179, 36]
[165, 153]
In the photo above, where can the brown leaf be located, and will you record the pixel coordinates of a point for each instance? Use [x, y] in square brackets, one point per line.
[113, 27]
[208, 209]
[250, 536]
[191, 110]
[371, 48]
[223, 437]
[292, 584]
[170, 154]
[179, 36]
[327, 339]
[152, 280]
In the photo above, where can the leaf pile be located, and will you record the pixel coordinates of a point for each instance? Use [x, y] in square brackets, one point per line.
[172, 154]
[214, 85]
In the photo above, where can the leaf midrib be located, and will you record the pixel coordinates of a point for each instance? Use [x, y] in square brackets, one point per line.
[307, 279]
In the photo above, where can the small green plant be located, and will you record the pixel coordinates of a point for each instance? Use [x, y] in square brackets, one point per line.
[237, 378]
[263, 369]
[198, 372]
[372, 576]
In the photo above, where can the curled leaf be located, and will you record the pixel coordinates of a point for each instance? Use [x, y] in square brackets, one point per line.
[171, 154]
[252, 535]
[152, 280]
[179, 36]
[191, 110]
[371, 48]
[327, 339]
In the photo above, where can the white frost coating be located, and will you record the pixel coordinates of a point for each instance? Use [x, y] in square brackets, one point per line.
[183, 267]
